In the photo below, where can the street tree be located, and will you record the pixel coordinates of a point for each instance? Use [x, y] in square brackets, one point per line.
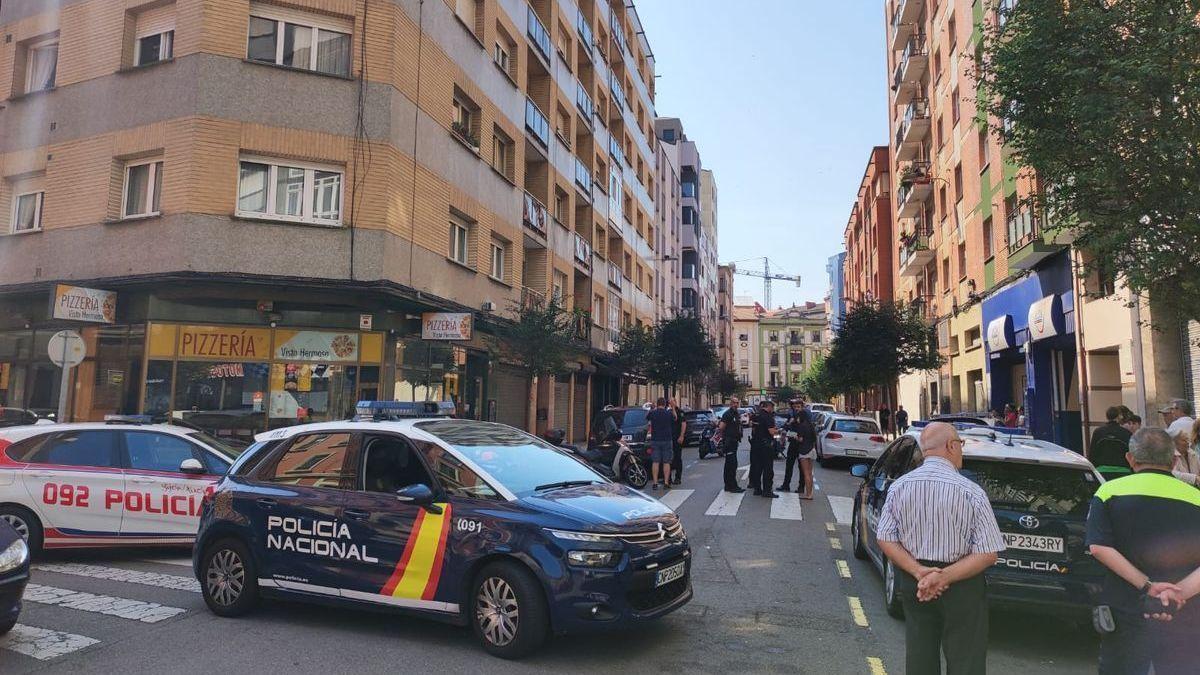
[784, 393]
[1102, 101]
[877, 343]
[723, 383]
[817, 383]
[540, 338]
[683, 352]
[635, 353]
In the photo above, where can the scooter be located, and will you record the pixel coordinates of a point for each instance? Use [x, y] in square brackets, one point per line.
[615, 460]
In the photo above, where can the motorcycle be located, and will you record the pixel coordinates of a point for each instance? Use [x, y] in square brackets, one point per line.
[613, 459]
[707, 446]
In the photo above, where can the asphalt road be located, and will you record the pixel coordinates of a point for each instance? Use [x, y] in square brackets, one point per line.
[777, 590]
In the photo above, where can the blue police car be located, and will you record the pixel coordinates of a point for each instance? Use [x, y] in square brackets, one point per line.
[461, 521]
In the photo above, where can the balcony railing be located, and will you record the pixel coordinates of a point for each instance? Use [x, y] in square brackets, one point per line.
[536, 123]
[914, 187]
[585, 31]
[914, 248]
[912, 61]
[535, 214]
[584, 102]
[614, 149]
[538, 33]
[1023, 229]
[618, 92]
[618, 33]
[912, 128]
[614, 275]
[583, 176]
[583, 251]
[531, 299]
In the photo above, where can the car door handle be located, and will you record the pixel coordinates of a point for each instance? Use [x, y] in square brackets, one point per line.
[41, 474]
[267, 502]
[356, 514]
[142, 479]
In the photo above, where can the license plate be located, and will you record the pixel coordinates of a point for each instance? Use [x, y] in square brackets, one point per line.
[1033, 542]
[669, 574]
[856, 453]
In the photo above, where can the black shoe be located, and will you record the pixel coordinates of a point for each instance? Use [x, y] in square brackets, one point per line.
[654, 486]
[784, 488]
[735, 490]
[770, 495]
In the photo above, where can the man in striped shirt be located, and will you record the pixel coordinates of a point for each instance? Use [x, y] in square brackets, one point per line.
[939, 531]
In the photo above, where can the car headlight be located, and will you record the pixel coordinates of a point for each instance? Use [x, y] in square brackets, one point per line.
[576, 536]
[14, 556]
[593, 558]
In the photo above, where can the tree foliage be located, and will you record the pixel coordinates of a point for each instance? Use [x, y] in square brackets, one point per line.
[723, 383]
[1102, 101]
[877, 343]
[541, 337]
[635, 349]
[817, 384]
[784, 393]
[683, 351]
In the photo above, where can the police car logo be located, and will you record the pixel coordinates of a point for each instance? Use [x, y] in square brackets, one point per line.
[1029, 522]
[325, 538]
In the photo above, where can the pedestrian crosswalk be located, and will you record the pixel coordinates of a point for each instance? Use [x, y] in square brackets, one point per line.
[787, 507]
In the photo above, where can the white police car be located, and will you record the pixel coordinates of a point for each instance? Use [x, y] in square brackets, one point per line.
[117, 483]
[461, 521]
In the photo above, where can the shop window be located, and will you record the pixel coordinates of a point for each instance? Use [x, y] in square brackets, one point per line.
[28, 196]
[460, 236]
[296, 192]
[298, 40]
[143, 189]
[315, 460]
[157, 401]
[41, 65]
[221, 396]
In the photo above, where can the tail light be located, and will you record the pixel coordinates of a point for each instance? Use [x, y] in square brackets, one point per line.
[878, 439]
[832, 436]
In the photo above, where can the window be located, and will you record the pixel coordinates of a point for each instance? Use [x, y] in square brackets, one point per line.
[668, 135]
[941, 133]
[502, 153]
[796, 358]
[945, 274]
[315, 460]
[143, 188]
[149, 451]
[1049, 490]
[500, 56]
[983, 149]
[465, 119]
[954, 106]
[952, 32]
[988, 250]
[154, 48]
[300, 193]
[558, 286]
[82, 448]
[467, 11]
[27, 205]
[459, 236]
[306, 45]
[561, 204]
[497, 271]
[937, 65]
[815, 337]
[962, 260]
[958, 183]
[455, 477]
[942, 200]
[41, 65]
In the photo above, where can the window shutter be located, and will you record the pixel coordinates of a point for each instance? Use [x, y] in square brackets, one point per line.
[337, 23]
[155, 21]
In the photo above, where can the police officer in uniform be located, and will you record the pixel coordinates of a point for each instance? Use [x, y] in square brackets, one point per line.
[762, 450]
[730, 430]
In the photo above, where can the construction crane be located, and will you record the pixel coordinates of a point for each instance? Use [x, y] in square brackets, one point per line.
[767, 276]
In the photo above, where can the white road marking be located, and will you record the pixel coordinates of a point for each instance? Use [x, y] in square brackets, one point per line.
[726, 504]
[146, 612]
[786, 507]
[675, 498]
[743, 472]
[830, 527]
[179, 562]
[41, 643]
[843, 508]
[116, 574]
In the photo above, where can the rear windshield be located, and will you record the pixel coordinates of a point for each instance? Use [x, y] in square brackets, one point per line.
[856, 426]
[699, 414]
[629, 418]
[1054, 490]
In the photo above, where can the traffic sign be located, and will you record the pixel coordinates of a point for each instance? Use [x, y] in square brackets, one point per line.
[66, 349]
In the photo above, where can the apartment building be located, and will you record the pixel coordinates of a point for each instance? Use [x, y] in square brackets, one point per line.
[776, 348]
[835, 298]
[669, 278]
[724, 335]
[1016, 324]
[280, 208]
[746, 350]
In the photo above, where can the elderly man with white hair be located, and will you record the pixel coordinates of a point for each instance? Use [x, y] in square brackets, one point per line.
[939, 531]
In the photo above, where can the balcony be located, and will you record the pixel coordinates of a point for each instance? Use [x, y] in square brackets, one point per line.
[583, 252]
[614, 149]
[584, 103]
[1028, 244]
[535, 214]
[916, 185]
[583, 177]
[904, 21]
[531, 299]
[585, 31]
[906, 80]
[618, 34]
[614, 276]
[912, 130]
[690, 271]
[537, 33]
[618, 93]
[536, 123]
[915, 252]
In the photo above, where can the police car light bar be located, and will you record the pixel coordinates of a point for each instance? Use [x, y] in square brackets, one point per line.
[384, 410]
[128, 419]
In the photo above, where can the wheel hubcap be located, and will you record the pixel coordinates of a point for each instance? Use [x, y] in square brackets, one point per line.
[637, 475]
[18, 524]
[496, 611]
[226, 577]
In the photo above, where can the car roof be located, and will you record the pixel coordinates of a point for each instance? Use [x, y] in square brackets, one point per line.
[14, 434]
[1022, 449]
[846, 416]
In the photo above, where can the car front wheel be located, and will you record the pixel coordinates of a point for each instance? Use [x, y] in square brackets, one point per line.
[228, 578]
[890, 597]
[26, 524]
[860, 548]
[509, 613]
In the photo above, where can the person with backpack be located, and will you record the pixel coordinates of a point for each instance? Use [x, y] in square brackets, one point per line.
[1109, 445]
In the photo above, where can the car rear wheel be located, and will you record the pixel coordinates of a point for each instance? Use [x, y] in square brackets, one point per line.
[821, 459]
[26, 524]
[860, 547]
[634, 474]
[890, 598]
[508, 611]
[228, 578]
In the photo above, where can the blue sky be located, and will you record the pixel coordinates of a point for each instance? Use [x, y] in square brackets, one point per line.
[785, 99]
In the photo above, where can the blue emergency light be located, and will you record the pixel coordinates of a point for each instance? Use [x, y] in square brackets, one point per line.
[392, 410]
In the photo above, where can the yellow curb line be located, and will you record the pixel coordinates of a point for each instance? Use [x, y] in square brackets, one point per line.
[843, 569]
[856, 610]
[835, 543]
[876, 665]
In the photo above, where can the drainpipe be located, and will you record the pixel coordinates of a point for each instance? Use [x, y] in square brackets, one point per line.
[1081, 355]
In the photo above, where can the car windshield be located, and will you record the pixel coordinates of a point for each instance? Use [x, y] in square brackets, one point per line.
[1036, 488]
[856, 426]
[228, 451]
[516, 460]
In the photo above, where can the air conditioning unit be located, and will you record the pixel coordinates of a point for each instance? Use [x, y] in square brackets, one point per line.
[488, 306]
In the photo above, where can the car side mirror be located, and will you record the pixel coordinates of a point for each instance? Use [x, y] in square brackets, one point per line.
[191, 465]
[419, 494]
[881, 483]
[859, 470]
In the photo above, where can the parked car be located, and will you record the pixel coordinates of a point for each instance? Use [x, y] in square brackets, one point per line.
[1040, 493]
[744, 414]
[19, 417]
[845, 437]
[821, 407]
[14, 574]
[697, 422]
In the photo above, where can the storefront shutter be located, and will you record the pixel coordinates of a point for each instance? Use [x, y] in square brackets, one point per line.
[581, 397]
[512, 396]
[562, 388]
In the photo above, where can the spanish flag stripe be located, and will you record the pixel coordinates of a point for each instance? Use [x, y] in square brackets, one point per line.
[436, 573]
[424, 550]
[408, 550]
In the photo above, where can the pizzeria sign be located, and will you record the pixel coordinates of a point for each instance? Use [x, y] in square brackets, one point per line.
[76, 303]
[446, 326]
